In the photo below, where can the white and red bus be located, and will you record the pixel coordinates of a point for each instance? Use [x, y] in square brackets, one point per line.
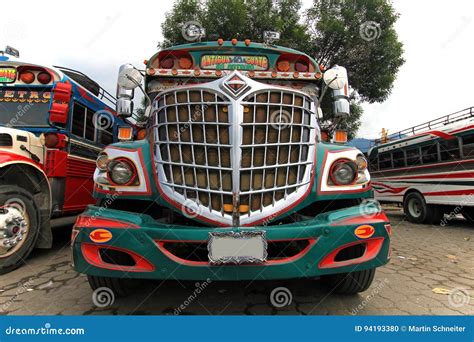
[54, 122]
[429, 168]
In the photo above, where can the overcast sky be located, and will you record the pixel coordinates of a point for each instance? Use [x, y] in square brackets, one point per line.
[98, 36]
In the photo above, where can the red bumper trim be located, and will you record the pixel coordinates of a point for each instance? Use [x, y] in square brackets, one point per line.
[91, 254]
[373, 247]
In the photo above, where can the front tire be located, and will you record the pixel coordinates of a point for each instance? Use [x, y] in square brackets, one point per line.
[350, 283]
[20, 222]
[415, 208]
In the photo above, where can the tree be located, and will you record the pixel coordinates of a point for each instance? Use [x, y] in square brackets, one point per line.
[357, 34]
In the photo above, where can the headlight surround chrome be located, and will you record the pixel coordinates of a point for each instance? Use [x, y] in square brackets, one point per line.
[121, 171]
[102, 161]
[343, 172]
[361, 162]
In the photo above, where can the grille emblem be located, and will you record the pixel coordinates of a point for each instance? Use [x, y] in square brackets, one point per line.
[235, 85]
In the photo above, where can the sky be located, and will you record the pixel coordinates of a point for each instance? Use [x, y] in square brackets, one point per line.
[96, 37]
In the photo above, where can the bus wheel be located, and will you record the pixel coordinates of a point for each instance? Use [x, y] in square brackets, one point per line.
[468, 214]
[415, 207]
[121, 287]
[19, 226]
[350, 283]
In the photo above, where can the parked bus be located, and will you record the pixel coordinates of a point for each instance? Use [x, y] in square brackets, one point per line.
[54, 122]
[429, 168]
[232, 180]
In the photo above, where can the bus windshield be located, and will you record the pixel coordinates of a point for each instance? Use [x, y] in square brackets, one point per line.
[22, 107]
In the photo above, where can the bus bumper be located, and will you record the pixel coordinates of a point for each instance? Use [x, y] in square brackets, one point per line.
[124, 244]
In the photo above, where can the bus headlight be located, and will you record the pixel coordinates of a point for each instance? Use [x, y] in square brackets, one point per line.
[102, 161]
[361, 163]
[122, 171]
[343, 172]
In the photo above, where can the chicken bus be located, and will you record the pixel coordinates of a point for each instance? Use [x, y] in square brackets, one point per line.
[54, 121]
[232, 180]
[428, 168]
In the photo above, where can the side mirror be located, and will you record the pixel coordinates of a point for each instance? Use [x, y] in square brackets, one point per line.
[124, 107]
[129, 77]
[336, 77]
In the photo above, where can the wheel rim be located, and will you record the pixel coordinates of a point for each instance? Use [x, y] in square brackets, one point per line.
[14, 228]
[415, 208]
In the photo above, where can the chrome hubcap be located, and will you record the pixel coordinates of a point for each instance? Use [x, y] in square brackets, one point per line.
[414, 207]
[13, 229]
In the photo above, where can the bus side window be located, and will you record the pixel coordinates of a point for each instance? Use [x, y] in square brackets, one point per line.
[90, 126]
[78, 119]
[449, 149]
[399, 158]
[413, 156]
[373, 162]
[106, 135]
[429, 153]
[468, 146]
[385, 160]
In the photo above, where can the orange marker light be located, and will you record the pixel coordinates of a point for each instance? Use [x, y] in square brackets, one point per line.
[234, 41]
[228, 208]
[100, 235]
[141, 134]
[220, 41]
[340, 136]
[197, 72]
[185, 63]
[364, 232]
[151, 71]
[247, 42]
[125, 133]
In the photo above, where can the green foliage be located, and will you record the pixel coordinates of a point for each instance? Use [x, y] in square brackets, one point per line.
[331, 30]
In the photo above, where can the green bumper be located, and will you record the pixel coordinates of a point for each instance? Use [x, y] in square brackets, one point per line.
[140, 236]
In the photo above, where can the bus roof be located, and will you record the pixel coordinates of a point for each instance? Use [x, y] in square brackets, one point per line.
[442, 127]
[234, 55]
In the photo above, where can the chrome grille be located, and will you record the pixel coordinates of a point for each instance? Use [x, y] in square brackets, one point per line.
[194, 147]
[275, 145]
[238, 160]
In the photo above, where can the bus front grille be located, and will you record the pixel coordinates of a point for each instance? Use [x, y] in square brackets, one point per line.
[230, 160]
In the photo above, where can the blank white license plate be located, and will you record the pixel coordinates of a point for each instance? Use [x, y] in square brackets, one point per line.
[237, 247]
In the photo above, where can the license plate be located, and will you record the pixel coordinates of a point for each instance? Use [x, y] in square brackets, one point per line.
[237, 247]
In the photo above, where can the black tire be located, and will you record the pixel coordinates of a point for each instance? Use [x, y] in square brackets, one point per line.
[121, 287]
[16, 197]
[415, 208]
[350, 283]
[468, 214]
[435, 214]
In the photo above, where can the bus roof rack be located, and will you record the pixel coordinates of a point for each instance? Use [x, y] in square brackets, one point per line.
[89, 84]
[430, 125]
